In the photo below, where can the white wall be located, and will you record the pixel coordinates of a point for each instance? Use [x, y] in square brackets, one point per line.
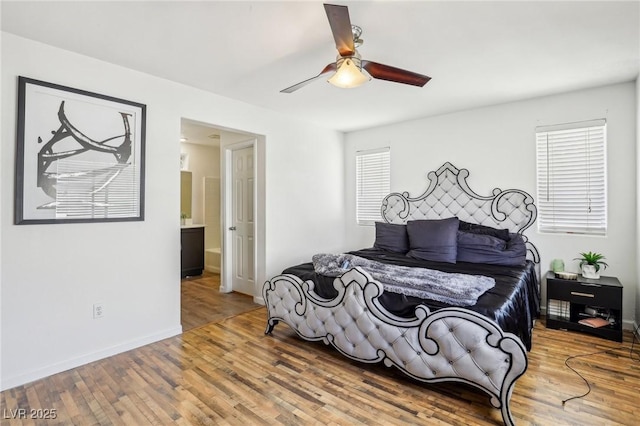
[204, 161]
[2, 215]
[637, 318]
[52, 274]
[497, 145]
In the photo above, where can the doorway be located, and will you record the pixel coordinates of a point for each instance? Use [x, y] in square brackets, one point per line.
[241, 254]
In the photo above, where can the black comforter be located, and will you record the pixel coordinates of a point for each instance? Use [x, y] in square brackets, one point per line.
[513, 303]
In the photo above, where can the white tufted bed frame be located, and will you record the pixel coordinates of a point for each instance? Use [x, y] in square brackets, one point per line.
[449, 344]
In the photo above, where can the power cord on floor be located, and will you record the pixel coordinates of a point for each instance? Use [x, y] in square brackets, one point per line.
[632, 355]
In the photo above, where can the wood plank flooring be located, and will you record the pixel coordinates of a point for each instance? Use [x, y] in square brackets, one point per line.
[203, 303]
[230, 373]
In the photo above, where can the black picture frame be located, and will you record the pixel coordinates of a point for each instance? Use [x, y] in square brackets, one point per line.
[80, 156]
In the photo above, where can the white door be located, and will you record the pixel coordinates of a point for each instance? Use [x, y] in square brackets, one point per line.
[242, 226]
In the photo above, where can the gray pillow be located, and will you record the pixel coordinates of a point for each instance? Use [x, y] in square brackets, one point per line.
[481, 241]
[481, 248]
[475, 228]
[434, 240]
[391, 237]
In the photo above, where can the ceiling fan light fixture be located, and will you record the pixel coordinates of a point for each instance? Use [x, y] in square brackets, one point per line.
[349, 75]
[347, 69]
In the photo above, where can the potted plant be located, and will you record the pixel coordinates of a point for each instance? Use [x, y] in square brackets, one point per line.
[590, 263]
[183, 218]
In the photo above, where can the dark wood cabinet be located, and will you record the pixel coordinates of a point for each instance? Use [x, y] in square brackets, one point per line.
[192, 251]
[570, 301]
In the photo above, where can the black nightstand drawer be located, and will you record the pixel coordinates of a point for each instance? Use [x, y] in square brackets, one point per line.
[588, 294]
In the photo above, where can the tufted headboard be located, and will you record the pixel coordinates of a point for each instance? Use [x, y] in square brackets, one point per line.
[449, 195]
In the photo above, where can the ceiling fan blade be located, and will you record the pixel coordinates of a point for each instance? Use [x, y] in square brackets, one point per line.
[341, 28]
[329, 68]
[397, 75]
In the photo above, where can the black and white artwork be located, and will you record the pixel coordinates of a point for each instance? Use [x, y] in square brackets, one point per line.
[80, 156]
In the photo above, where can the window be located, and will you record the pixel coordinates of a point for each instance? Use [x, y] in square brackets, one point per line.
[373, 183]
[572, 178]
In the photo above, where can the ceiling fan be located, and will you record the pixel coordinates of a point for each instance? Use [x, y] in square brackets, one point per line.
[347, 69]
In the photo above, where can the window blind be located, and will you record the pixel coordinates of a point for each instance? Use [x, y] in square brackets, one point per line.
[571, 176]
[373, 183]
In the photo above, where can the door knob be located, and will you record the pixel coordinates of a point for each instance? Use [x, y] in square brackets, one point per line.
[232, 228]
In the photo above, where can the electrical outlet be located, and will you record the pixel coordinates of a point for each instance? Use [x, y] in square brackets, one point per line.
[98, 310]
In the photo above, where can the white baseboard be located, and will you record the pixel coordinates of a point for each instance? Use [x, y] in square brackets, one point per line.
[39, 373]
[213, 269]
[628, 325]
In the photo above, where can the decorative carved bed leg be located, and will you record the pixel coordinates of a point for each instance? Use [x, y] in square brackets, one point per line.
[271, 323]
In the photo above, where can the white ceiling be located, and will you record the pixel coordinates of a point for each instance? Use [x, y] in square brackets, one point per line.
[477, 53]
[198, 133]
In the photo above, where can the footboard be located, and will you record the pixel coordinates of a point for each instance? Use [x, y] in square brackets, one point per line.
[451, 344]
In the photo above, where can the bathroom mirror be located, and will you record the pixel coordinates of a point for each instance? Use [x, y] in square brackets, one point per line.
[185, 193]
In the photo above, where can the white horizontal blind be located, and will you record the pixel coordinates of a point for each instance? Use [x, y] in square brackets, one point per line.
[373, 183]
[572, 178]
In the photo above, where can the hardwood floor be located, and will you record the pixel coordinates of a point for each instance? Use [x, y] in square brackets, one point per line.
[203, 303]
[229, 372]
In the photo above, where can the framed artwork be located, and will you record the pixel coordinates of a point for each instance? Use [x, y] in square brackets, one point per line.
[80, 156]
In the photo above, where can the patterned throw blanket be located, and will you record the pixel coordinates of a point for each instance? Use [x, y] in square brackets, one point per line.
[450, 288]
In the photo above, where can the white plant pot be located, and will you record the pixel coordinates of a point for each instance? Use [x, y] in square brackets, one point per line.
[589, 271]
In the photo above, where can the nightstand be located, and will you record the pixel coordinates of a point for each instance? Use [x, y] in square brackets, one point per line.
[570, 301]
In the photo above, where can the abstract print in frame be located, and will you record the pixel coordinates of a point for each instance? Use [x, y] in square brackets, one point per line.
[80, 156]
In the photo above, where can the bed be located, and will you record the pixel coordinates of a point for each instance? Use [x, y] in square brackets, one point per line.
[478, 335]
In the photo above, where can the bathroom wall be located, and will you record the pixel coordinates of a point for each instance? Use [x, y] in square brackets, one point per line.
[202, 161]
[212, 221]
